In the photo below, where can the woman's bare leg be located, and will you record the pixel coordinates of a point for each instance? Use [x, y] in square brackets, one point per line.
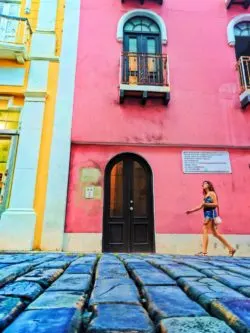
[217, 235]
[205, 238]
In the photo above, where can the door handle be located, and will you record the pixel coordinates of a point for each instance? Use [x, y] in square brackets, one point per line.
[131, 208]
[131, 201]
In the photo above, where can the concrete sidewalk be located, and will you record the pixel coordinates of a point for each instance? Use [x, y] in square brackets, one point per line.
[53, 293]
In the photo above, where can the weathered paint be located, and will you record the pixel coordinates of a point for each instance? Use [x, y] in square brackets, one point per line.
[204, 111]
[204, 81]
[18, 94]
[174, 192]
[42, 178]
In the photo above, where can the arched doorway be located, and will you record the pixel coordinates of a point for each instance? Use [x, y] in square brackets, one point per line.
[128, 224]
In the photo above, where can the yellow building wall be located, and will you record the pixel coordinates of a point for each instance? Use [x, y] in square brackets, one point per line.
[15, 91]
[33, 16]
[42, 178]
[18, 93]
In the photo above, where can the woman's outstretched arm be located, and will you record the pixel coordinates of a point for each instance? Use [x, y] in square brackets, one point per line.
[195, 209]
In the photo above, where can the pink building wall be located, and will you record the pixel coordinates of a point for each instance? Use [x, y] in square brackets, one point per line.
[204, 111]
[174, 192]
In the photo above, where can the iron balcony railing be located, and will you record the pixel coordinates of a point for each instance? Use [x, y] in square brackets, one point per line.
[244, 70]
[144, 69]
[14, 30]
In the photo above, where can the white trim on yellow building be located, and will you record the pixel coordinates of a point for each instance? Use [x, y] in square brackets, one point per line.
[18, 222]
[54, 216]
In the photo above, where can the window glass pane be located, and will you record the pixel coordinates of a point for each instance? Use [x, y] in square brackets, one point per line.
[137, 28]
[9, 120]
[151, 46]
[4, 150]
[129, 27]
[154, 28]
[236, 32]
[4, 154]
[243, 25]
[140, 190]
[242, 29]
[132, 45]
[116, 190]
[141, 24]
[245, 33]
[7, 157]
[145, 28]
[136, 21]
[147, 21]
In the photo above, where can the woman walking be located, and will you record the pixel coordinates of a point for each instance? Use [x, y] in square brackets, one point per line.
[210, 207]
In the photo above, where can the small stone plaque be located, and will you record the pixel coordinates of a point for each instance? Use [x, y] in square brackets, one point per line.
[90, 175]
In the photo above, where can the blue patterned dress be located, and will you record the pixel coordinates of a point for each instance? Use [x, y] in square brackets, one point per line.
[209, 212]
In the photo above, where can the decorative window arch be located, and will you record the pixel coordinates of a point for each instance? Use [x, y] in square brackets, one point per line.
[231, 31]
[141, 24]
[242, 29]
[142, 13]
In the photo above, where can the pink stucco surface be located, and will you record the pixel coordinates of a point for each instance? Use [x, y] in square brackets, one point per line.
[204, 106]
[174, 192]
[204, 110]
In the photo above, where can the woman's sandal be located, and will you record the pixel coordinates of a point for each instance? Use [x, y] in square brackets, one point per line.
[204, 254]
[232, 252]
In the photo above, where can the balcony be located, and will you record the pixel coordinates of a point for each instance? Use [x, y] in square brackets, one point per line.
[142, 1]
[15, 34]
[244, 3]
[144, 76]
[244, 71]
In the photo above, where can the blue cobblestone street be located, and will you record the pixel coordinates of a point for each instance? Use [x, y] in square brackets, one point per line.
[42, 293]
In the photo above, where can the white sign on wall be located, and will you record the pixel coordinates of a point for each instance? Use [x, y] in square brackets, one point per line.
[206, 162]
[89, 192]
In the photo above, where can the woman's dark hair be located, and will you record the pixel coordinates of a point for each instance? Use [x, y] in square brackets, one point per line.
[210, 187]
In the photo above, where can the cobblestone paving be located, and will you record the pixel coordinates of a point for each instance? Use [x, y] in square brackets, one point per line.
[50, 293]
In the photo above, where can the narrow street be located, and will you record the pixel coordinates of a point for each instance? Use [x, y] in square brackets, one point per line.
[123, 293]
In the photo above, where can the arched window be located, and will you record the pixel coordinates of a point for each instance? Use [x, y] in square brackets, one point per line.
[142, 35]
[242, 29]
[141, 24]
[145, 14]
[242, 39]
[237, 27]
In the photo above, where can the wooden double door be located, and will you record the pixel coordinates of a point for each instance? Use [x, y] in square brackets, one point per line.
[142, 59]
[128, 206]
